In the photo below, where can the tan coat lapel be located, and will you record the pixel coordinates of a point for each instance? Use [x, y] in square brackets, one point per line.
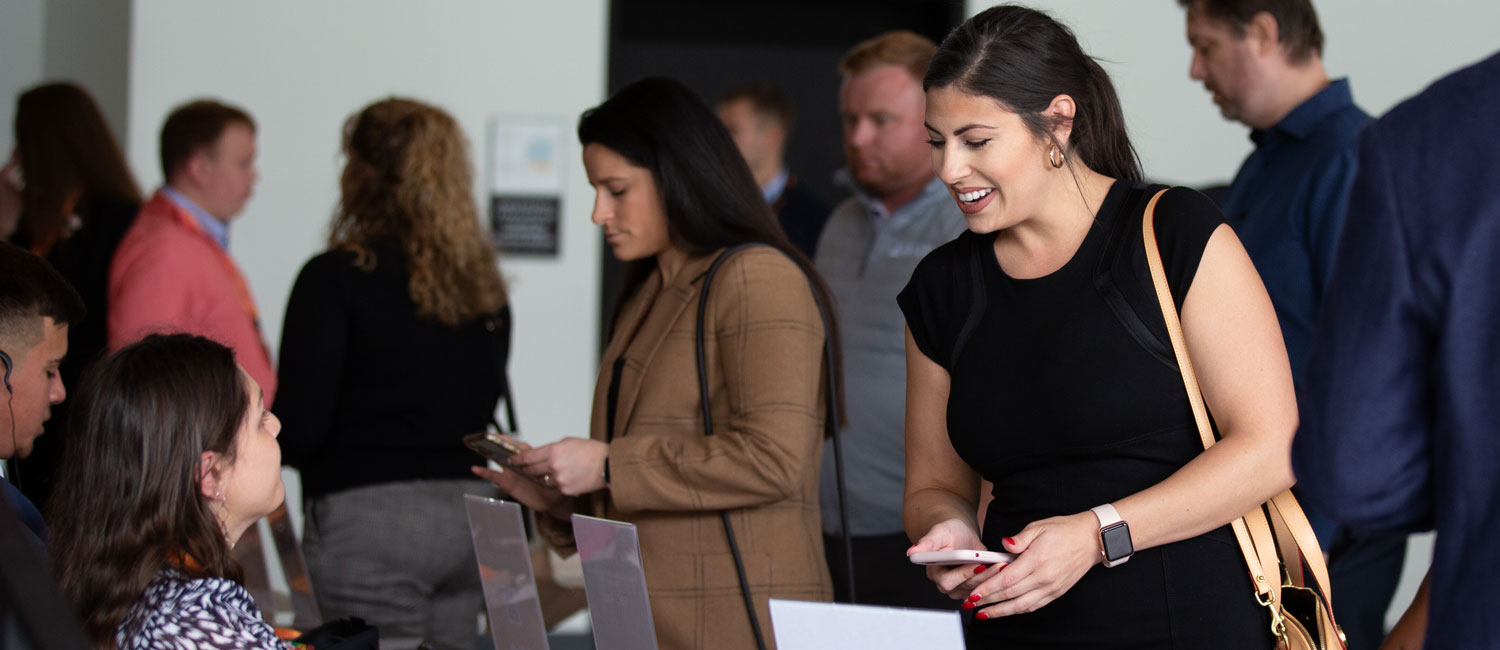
[644, 325]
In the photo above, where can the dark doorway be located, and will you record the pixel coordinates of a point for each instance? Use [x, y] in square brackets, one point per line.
[794, 45]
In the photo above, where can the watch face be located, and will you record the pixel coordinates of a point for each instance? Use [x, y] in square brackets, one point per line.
[1117, 541]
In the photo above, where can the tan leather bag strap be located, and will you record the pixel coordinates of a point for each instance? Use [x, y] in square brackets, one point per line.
[1251, 530]
[1286, 544]
[1264, 546]
[1263, 583]
[1286, 507]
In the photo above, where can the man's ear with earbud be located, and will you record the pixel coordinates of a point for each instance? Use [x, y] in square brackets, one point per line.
[5, 360]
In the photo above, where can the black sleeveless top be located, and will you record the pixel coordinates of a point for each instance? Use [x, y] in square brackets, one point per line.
[1064, 393]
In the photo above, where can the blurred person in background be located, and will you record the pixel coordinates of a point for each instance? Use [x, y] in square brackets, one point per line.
[67, 195]
[898, 212]
[173, 271]
[393, 349]
[1399, 415]
[759, 118]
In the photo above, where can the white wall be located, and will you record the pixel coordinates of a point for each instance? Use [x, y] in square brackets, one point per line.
[86, 42]
[1388, 49]
[21, 44]
[55, 40]
[301, 68]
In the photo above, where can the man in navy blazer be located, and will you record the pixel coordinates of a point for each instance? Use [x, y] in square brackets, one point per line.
[1401, 407]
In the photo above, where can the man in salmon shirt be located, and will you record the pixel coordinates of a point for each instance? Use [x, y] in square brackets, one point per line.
[173, 272]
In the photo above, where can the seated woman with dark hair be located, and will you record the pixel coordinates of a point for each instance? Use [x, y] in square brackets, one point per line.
[173, 456]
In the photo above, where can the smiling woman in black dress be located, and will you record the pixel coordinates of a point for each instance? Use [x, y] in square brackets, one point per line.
[1035, 361]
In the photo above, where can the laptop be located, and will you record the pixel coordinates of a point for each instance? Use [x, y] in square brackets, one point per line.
[510, 595]
[615, 583]
[801, 625]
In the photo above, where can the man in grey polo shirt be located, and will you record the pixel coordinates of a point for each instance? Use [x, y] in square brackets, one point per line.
[898, 213]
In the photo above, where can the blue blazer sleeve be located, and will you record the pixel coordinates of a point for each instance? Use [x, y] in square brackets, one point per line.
[1362, 453]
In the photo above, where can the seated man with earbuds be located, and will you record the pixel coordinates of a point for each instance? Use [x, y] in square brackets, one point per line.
[36, 307]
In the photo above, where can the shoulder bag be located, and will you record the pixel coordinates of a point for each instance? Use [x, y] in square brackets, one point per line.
[1301, 617]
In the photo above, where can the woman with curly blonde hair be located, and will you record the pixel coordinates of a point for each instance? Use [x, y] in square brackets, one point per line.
[394, 348]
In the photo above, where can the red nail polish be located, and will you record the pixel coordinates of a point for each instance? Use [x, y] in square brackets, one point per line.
[968, 605]
[1009, 542]
[981, 616]
[973, 597]
[1002, 567]
[980, 568]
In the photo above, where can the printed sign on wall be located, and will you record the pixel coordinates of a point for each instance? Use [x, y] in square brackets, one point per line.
[526, 183]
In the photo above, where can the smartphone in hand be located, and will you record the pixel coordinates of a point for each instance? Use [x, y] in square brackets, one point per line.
[499, 449]
[962, 557]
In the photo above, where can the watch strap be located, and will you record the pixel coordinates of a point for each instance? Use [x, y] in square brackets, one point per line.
[1107, 515]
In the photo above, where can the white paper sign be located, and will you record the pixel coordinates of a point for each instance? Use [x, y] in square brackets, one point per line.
[800, 625]
[526, 155]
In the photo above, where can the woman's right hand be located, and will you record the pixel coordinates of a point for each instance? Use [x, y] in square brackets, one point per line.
[951, 535]
[533, 495]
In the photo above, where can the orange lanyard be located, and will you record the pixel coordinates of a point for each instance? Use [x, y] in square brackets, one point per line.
[246, 300]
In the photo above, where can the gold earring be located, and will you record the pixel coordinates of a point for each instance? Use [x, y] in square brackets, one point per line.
[1056, 157]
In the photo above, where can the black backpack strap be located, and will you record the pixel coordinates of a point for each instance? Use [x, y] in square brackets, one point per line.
[1115, 264]
[506, 392]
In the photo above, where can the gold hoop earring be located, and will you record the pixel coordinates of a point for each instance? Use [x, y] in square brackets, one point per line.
[1056, 157]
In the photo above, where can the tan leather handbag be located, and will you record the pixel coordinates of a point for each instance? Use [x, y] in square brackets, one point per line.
[1273, 537]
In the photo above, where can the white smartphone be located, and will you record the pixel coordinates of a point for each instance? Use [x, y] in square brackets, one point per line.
[962, 557]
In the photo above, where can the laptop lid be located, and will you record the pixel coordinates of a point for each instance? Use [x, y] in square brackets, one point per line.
[510, 595]
[801, 625]
[615, 583]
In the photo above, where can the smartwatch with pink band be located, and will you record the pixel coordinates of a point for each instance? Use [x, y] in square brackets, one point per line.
[1114, 536]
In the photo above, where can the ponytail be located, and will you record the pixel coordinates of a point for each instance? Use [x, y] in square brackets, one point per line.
[1104, 143]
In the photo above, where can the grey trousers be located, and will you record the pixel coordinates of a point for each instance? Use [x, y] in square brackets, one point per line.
[398, 555]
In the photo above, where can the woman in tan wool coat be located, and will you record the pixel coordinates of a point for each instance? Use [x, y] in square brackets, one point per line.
[673, 194]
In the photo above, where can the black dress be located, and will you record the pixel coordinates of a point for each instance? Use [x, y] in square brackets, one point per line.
[1065, 395]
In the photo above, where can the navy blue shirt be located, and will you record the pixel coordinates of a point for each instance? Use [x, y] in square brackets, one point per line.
[1287, 206]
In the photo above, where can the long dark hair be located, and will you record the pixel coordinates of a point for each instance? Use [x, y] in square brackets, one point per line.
[128, 502]
[1023, 58]
[706, 189]
[68, 154]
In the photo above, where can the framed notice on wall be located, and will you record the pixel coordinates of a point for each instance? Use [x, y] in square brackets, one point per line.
[526, 184]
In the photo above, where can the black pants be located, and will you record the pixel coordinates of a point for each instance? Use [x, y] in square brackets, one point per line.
[882, 574]
[1364, 569]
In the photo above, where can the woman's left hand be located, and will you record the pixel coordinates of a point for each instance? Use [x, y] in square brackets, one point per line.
[1051, 555]
[574, 466]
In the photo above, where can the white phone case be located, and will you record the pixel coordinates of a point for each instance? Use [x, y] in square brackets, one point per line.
[962, 557]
